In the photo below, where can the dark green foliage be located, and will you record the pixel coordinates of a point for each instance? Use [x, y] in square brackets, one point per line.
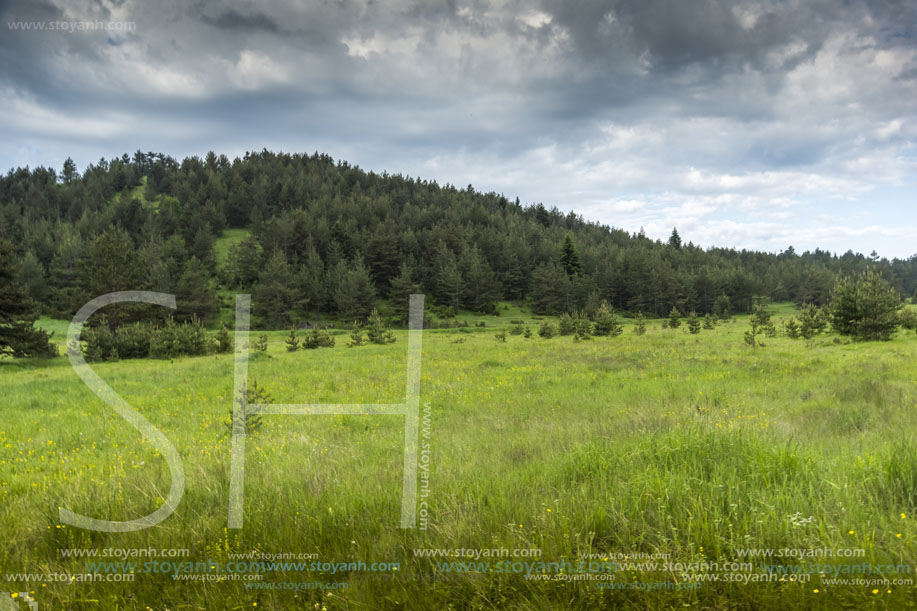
[292, 342]
[193, 295]
[694, 323]
[551, 289]
[99, 341]
[274, 296]
[791, 328]
[527, 333]
[249, 420]
[133, 341]
[759, 322]
[674, 319]
[356, 335]
[401, 288]
[606, 321]
[812, 320]
[908, 318]
[675, 239]
[547, 330]
[709, 322]
[355, 294]
[722, 307]
[569, 258]
[313, 222]
[566, 325]
[318, 338]
[224, 341]
[260, 344]
[500, 336]
[18, 313]
[481, 287]
[865, 307]
[179, 339]
[516, 329]
[640, 324]
[376, 331]
[582, 326]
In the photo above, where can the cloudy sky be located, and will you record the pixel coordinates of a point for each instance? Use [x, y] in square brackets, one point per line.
[758, 124]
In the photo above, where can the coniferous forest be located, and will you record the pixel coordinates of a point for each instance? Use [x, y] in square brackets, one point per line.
[315, 236]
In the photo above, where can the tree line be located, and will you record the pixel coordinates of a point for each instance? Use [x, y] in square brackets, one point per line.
[328, 237]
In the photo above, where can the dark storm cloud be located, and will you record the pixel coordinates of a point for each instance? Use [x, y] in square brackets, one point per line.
[703, 105]
[234, 20]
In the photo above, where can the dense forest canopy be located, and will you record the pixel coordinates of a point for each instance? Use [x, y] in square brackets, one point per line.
[328, 237]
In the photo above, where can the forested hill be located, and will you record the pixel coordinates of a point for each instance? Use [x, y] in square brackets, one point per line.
[307, 234]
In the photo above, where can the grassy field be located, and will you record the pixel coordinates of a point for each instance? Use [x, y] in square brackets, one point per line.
[689, 448]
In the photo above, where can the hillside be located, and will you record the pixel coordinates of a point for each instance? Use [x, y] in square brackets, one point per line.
[308, 235]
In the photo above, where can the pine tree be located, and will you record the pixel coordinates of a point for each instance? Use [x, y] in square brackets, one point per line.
[694, 323]
[481, 287]
[675, 240]
[606, 321]
[722, 307]
[224, 340]
[551, 289]
[640, 324]
[356, 335]
[376, 330]
[274, 297]
[674, 318]
[113, 265]
[355, 293]
[865, 307]
[193, 295]
[292, 341]
[791, 328]
[569, 258]
[400, 291]
[547, 330]
[709, 322]
[18, 313]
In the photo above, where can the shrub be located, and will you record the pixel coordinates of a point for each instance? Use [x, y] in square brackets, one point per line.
[709, 322]
[356, 335]
[292, 341]
[640, 324]
[865, 307]
[566, 325]
[174, 339]
[443, 311]
[693, 323]
[908, 318]
[547, 329]
[516, 329]
[606, 322]
[527, 333]
[674, 318]
[582, 326]
[99, 340]
[500, 336]
[260, 344]
[811, 321]
[224, 340]
[791, 328]
[759, 322]
[318, 338]
[376, 330]
[249, 420]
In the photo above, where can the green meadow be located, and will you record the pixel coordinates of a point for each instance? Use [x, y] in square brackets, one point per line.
[666, 447]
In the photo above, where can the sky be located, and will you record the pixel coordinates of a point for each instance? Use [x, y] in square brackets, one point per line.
[759, 125]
